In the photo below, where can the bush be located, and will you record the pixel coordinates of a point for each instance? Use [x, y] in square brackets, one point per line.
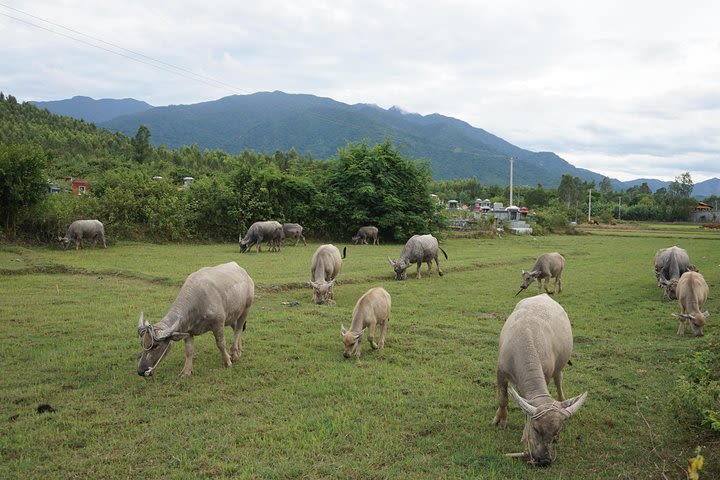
[696, 397]
[553, 220]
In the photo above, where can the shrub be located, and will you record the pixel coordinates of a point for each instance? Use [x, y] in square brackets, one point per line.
[696, 396]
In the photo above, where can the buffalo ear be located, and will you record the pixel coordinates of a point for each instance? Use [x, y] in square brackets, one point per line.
[342, 330]
[359, 335]
[313, 284]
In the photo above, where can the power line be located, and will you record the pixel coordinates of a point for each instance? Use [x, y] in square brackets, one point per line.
[154, 62]
[159, 64]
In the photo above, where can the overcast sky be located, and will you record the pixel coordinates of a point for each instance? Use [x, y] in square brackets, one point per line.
[628, 89]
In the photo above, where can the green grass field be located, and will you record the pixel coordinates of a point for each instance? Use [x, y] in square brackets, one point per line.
[293, 407]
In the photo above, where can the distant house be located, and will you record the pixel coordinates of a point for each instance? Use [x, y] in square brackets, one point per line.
[703, 213]
[79, 187]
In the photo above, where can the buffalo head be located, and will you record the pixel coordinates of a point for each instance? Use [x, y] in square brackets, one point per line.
[322, 292]
[155, 345]
[351, 340]
[400, 268]
[543, 424]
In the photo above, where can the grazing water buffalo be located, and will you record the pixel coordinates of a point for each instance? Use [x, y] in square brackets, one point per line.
[80, 229]
[692, 293]
[535, 344]
[547, 266]
[294, 230]
[418, 249]
[209, 300]
[324, 269]
[670, 264]
[365, 233]
[259, 232]
[371, 310]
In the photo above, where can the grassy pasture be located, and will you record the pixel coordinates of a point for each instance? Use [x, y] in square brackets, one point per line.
[292, 407]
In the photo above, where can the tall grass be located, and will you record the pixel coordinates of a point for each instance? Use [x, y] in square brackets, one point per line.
[292, 407]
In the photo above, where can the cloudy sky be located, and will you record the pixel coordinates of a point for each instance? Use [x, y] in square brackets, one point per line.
[628, 89]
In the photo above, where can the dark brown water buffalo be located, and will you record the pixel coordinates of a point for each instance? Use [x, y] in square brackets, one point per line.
[269, 231]
[670, 264]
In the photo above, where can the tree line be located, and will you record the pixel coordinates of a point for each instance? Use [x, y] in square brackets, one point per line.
[136, 188]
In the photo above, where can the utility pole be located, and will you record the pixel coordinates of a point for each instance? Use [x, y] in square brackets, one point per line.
[511, 182]
[589, 203]
[619, 202]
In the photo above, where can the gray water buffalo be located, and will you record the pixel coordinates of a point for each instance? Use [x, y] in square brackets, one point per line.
[535, 344]
[259, 232]
[209, 300]
[418, 249]
[365, 233]
[692, 293]
[294, 230]
[670, 264]
[324, 269]
[547, 266]
[371, 310]
[83, 229]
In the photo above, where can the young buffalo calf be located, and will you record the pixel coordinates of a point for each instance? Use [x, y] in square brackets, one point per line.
[371, 310]
[692, 292]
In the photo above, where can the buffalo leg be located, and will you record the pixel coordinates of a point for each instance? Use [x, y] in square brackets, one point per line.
[237, 348]
[189, 348]
[219, 334]
[429, 262]
[382, 333]
[440, 272]
[681, 327]
[418, 270]
[371, 335]
[557, 378]
[500, 419]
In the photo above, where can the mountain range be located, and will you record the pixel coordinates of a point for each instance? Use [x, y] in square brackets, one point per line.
[318, 126]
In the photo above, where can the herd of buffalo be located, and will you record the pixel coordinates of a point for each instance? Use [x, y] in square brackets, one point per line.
[536, 340]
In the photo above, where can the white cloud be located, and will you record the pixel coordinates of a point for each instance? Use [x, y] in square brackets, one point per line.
[622, 88]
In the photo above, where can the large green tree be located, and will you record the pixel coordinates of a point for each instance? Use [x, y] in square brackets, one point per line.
[22, 181]
[378, 186]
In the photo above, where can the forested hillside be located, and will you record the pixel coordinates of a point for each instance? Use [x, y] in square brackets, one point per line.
[137, 189]
[317, 126]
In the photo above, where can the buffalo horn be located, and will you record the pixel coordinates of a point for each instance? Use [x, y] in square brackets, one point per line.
[527, 408]
[142, 323]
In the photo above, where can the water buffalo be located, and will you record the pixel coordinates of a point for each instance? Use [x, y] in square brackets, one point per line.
[371, 310]
[418, 249]
[209, 300]
[80, 229]
[547, 266]
[294, 230]
[535, 344]
[324, 269]
[365, 233]
[259, 232]
[670, 264]
[692, 293]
